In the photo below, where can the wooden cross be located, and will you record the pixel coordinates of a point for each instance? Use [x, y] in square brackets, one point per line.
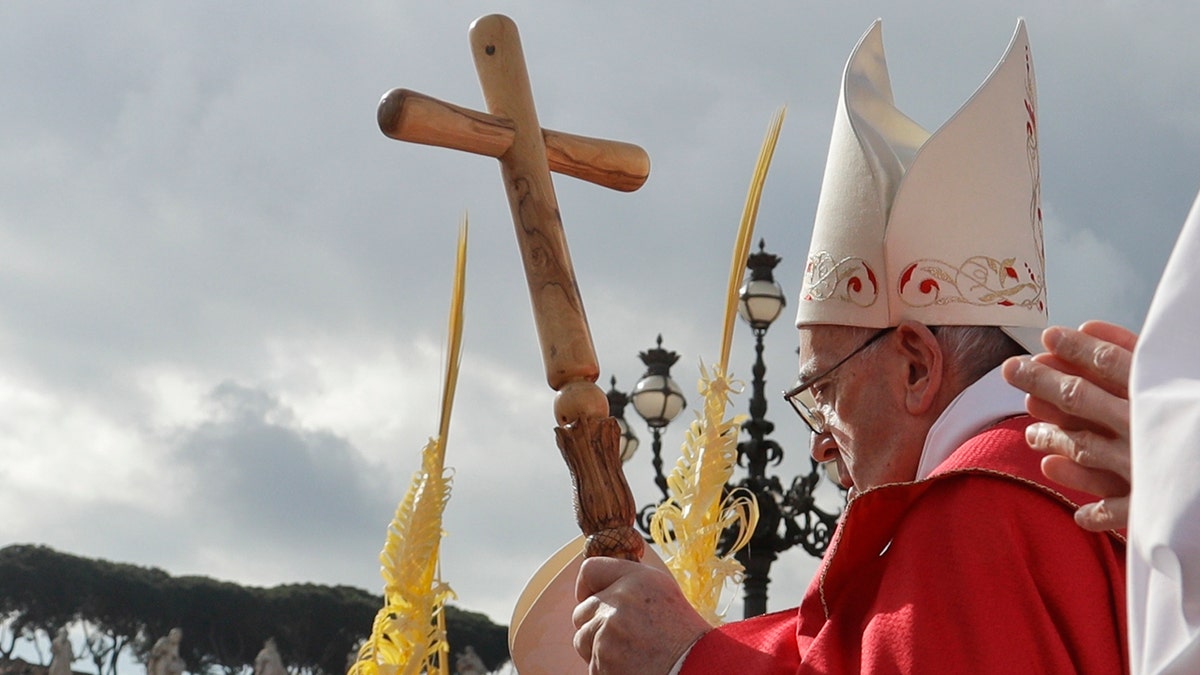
[586, 435]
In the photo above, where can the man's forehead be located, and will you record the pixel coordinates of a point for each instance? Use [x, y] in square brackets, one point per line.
[814, 349]
[821, 345]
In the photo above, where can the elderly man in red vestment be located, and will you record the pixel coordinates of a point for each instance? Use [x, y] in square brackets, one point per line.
[955, 554]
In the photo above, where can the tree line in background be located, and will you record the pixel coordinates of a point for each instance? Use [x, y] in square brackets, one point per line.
[121, 609]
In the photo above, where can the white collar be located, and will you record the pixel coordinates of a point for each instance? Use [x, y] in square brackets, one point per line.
[985, 402]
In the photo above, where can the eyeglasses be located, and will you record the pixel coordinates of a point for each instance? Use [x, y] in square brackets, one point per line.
[802, 399]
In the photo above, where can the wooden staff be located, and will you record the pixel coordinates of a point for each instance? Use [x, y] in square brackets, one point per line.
[586, 435]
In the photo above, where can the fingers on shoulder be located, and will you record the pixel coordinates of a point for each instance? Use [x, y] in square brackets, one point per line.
[1098, 482]
[1084, 447]
[1110, 332]
[1106, 514]
[1078, 396]
[1101, 355]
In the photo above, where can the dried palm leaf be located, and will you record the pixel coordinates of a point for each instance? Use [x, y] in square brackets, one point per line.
[408, 636]
[698, 510]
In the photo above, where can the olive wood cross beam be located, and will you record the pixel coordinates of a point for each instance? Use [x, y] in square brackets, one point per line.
[586, 435]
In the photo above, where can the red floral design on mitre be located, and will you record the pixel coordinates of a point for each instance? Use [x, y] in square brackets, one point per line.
[850, 279]
[980, 281]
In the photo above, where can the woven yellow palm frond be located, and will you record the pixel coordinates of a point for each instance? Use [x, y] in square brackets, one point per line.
[688, 525]
[408, 636]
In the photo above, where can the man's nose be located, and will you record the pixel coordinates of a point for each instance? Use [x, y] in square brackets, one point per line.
[823, 447]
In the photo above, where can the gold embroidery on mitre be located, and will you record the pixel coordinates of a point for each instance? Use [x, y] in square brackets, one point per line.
[981, 280]
[1035, 171]
[849, 280]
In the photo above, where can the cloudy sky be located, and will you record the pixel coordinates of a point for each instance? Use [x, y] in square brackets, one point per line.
[223, 290]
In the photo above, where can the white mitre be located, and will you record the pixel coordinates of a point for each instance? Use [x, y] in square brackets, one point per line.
[945, 229]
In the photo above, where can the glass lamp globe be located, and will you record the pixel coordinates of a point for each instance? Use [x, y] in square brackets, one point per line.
[760, 302]
[629, 440]
[658, 399]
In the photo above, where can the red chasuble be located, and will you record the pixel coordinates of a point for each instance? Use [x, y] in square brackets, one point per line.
[978, 569]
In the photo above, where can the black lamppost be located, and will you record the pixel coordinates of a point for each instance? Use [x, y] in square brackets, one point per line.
[617, 401]
[761, 302]
[788, 517]
[658, 399]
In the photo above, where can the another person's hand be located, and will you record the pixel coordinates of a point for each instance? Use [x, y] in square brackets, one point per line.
[632, 618]
[1080, 391]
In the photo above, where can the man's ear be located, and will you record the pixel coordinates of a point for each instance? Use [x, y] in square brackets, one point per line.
[923, 363]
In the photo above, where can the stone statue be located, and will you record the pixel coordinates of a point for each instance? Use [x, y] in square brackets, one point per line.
[61, 653]
[469, 663]
[268, 661]
[164, 657]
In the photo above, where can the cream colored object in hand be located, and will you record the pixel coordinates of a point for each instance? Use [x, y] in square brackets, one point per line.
[541, 631]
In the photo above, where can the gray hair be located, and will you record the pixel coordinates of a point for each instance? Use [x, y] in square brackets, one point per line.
[972, 351]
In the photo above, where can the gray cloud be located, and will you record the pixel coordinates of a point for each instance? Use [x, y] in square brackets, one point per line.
[255, 473]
